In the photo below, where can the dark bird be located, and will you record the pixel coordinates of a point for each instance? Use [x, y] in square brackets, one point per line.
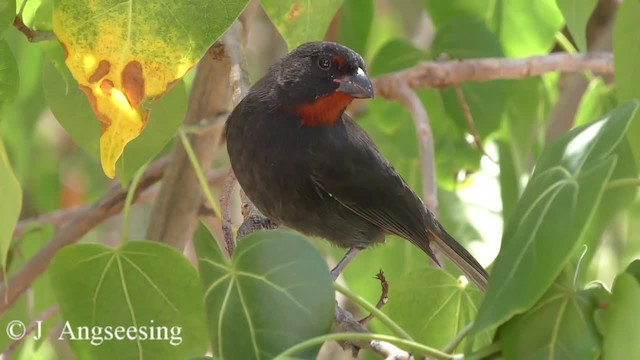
[307, 165]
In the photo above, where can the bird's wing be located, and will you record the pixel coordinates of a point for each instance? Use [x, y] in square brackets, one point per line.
[351, 170]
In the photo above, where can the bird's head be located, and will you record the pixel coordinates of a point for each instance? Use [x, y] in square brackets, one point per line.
[318, 80]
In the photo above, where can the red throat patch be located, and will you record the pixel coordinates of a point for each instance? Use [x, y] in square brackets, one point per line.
[325, 110]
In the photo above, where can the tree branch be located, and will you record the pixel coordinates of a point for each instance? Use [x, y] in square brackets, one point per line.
[442, 74]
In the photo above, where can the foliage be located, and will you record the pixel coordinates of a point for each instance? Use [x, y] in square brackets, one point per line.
[111, 91]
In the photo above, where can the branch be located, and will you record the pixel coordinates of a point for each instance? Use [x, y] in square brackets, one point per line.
[174, 216]
[345, 322]
[109, 205]
[32, 35]
[442, 74]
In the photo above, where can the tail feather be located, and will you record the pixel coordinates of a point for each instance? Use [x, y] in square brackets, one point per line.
[447, 245]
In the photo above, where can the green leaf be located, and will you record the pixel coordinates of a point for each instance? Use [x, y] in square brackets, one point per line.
[559, 326]
[461, 39]
[626, 51]
[549, 220]
[527, 28]
[9, 79]
[274, 293]
[355, 24]
[433, 307]
[442, 12]
[622, 325]
[166, 116]
[7, 14]
[576, 14]
[301, 21]
[144, 284]
[395, 55]
[10, 206]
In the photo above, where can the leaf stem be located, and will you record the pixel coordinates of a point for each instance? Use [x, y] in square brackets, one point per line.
[409, 345]
[395, 328]
[126, 220]
[484, 352]
[198, 170]
[625, 182]
[458, 339]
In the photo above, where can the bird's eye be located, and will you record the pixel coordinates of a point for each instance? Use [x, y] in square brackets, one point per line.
[324, 63]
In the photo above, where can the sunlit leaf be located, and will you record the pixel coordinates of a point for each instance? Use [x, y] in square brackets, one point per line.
[301, 21]
[549, 220]
[274, 293]
[433, 307]
[626, 51]
[576, 14]
[527, 28]
[622, 325]
[143, 284]
[74, 113]
[123, 53]
[559, 326]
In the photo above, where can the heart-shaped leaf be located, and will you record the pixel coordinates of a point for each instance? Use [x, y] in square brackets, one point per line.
[144, 285]
[123, 53]
[274, 293]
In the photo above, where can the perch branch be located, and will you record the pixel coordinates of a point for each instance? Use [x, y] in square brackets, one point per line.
[442, 74]
[345, 322]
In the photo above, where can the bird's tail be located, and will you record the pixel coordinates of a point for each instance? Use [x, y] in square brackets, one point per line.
[446, 244]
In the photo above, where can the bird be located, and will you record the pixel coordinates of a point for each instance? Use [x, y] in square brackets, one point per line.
[307, 165]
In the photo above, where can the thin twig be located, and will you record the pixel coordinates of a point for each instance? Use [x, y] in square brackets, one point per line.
[44, 316]
[473, 130]
[458, 339]
[384, 297]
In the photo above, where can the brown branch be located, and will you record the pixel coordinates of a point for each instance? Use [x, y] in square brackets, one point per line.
[32, 35]
[174, 216]
[470, 122]
[229, 186]
[109, 205]
[442, 74]
[345, 322]
[59, 218]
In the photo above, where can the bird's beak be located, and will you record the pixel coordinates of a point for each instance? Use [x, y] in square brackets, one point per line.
[357, 85]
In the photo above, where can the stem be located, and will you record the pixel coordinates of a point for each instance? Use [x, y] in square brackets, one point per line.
[618, 183]
[458, 339]
[484, 352]
[128, 201]
[412, 346]
[569, 48]
[395, 328]
[198, 170]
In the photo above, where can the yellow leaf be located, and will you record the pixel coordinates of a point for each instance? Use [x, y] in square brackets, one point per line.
[122, 53]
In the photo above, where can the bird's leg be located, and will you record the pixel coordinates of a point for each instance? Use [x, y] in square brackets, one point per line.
[346, 259]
